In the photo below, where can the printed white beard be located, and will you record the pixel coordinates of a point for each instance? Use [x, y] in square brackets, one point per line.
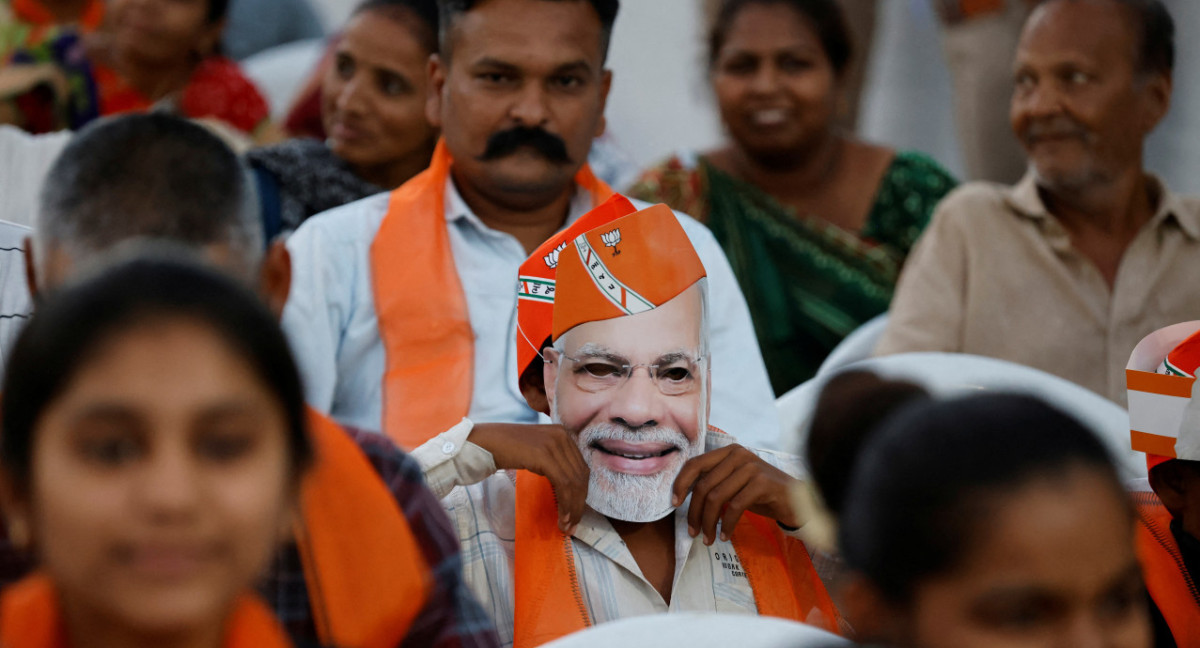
[634, 498]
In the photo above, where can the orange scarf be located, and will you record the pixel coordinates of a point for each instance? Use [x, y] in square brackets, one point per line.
[422, 309]
[30, 618]
[549, 599]
[1166, 576]
[367, 576]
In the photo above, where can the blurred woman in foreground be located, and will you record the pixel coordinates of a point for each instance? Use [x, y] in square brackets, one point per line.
[153, 443]
[990, 520]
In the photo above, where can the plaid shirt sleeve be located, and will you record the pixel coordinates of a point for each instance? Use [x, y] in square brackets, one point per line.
[452, 617]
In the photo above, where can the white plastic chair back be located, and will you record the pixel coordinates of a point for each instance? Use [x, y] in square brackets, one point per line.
[281, 71]
[857, 346]
[696, 630]
[947, 374]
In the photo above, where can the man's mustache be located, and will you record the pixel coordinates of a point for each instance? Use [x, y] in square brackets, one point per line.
[1056, 127]
[507, 142]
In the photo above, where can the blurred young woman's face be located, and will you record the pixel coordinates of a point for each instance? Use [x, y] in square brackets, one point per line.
[160, 481]
[1054, 565]
[164, 32]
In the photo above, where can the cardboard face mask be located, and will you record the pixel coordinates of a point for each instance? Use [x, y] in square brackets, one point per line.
[628, 373]
[1164, 413]
[634, 390]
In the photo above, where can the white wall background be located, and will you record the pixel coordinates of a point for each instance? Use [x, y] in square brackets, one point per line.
[660, 101]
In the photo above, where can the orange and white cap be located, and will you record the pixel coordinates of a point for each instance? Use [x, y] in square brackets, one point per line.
[536, 280]
[629, 266]
[1164, 416]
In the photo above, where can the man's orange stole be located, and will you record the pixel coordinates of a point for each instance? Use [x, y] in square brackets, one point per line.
[422, 309]
[31, 617]
[549, 600]
[367, 576]
[1163, 569]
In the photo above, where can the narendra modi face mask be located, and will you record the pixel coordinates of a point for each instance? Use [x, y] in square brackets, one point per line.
[628, 371]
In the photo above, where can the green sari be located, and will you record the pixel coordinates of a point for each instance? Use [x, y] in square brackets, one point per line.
[808, 283]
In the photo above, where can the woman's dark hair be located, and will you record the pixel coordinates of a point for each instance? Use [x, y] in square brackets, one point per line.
[920, 491]
[217, 11]
[419, 15]
[825, 16]
[851, 407]
[72, 325]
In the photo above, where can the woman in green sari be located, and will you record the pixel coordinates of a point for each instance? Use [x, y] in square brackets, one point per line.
[815, 223]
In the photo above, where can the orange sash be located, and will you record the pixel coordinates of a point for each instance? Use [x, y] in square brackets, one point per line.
[30, 618]
[367, 577]
[422, 309]
[549, 600]
[1166, 576]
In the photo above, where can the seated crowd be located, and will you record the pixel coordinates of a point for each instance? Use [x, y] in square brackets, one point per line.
[420, 376]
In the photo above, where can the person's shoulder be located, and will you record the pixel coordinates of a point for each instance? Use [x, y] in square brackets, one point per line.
[389, 461]
[219, 88]
[921, 170]
[290, 151]
[1189, 202]
[224, 68]
[355, 223]
[681, 162]
[972, 200]
[676, 181]
[698, 232]
[44, 144]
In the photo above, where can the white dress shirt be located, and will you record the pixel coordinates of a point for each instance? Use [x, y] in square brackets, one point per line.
[482, 505]
[331, 322]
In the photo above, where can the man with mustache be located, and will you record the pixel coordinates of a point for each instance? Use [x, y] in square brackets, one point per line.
[401, 310]
[1068, 269]
[678, 516]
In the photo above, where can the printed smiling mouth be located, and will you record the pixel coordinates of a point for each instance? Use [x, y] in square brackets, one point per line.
[632, 454]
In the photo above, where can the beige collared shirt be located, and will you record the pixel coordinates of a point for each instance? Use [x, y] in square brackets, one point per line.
[995, 274]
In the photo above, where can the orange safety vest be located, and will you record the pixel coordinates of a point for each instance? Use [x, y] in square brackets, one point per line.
[367, 576]
[30, 617]
[1166, 575]
[422, 309]
[549, 599]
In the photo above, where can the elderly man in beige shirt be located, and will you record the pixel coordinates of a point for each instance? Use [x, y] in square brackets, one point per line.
[1067, 270]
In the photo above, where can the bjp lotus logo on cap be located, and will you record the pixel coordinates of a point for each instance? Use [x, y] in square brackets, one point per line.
[552, 258]
[612, 239]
